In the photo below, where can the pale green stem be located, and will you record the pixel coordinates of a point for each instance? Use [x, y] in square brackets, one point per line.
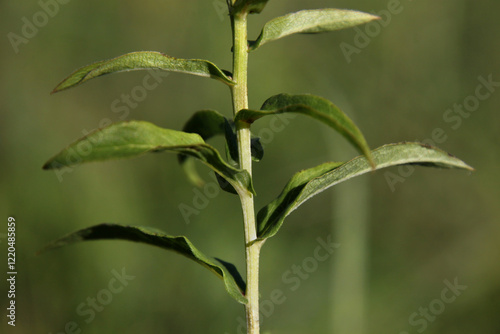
[240, 101]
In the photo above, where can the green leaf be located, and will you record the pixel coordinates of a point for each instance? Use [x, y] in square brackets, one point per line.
[232, 152]
[311, 182]
[310, 22]
[134, 138]
[144, 60]
[208, 124]
[315, 107]
[248, 6]
[257, 151]
[232, 280]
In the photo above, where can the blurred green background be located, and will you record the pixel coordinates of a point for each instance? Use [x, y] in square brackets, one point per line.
[397, 245]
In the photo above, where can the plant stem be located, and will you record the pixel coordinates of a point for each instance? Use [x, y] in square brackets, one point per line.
[240, 101]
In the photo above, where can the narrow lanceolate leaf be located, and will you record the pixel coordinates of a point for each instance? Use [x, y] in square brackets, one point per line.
[310, 22]
[232, 280]
[311, 182]
[141, 61]
[248, 6]
[315, 107]
[134, 138]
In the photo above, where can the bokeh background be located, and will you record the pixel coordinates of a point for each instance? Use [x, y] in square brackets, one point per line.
[398, 245]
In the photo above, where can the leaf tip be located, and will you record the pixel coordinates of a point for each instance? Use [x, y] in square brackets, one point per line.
[51, 164]
[461, 163]
[468, 167]
[47, 165]
[61, 86]
[48, 247]
[55, 90]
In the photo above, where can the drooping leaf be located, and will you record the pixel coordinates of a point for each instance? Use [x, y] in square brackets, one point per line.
[140, 61]
[315, 107]
[249, 6]
[232, 280]
[134, 138]
[224, 185]
[311, 182]
[232, 152]
[310, 22]
[257, 151]
[208, 124]
[231, 143]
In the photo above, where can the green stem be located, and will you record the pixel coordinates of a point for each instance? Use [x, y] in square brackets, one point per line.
[240, 101]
